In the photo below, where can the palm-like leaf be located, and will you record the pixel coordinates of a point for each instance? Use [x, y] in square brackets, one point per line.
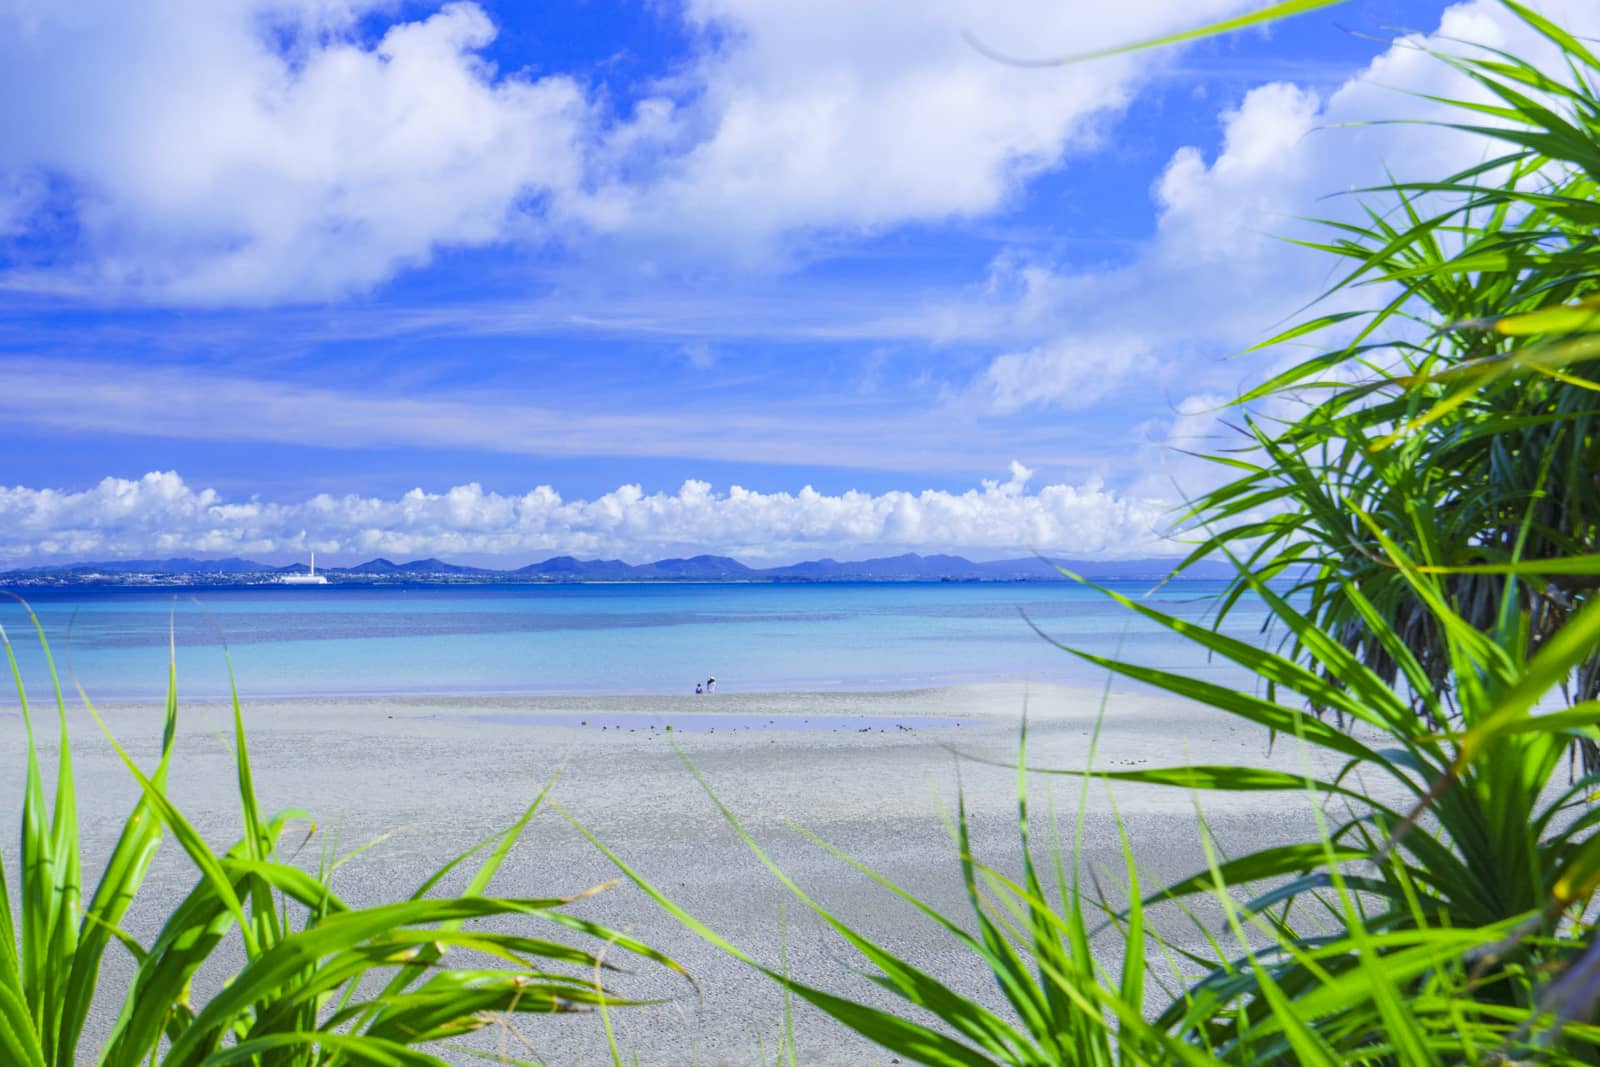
[1464, 416]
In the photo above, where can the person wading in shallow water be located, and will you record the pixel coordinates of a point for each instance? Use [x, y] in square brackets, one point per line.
[698, 689]
[711, 684]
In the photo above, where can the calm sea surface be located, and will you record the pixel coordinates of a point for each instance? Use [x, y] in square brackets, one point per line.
[377, 640]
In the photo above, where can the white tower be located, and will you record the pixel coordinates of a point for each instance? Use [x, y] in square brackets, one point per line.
[313, 578]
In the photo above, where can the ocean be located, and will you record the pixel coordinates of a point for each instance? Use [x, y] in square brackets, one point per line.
[370, 640]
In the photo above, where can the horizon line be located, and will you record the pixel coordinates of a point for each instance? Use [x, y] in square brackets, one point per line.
[17, 567]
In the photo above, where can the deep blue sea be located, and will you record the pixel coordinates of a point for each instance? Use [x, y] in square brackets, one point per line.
[427, 639]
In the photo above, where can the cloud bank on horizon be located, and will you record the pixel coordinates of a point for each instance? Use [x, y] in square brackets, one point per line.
[823, 244]
[160, 513]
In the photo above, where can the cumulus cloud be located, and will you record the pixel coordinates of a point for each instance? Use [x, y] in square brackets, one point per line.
[1216, 278]
[263, 151]
[258, 151]
[160, 514]
[857, 115]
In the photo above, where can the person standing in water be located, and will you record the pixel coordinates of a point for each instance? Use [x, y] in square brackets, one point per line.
[698, 689]
[711, 684]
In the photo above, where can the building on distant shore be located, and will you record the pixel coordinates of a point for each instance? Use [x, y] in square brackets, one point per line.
[310, 578]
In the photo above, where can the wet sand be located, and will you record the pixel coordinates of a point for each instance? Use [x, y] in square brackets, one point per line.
[872, 773]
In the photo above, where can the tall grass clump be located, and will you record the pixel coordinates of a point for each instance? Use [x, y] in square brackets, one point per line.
[322, 982]
[1418, 509]
[1457, 414]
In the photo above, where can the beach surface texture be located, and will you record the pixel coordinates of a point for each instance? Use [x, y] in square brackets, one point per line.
[876, 775]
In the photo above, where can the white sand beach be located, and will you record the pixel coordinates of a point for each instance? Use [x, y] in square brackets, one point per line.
[871, 775]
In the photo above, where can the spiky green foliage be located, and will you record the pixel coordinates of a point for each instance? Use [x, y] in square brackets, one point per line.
[1455, 900]
[323, 983]
[1462, 412]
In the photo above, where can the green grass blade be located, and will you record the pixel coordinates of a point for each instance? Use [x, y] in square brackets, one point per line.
[19, 1041]
[193, 844]
[1272, 668]
[268, 974]
[366, 1050]
[922, 1044]
[64, 880]
[119, 883]
[36, 867]
[1222, 779]
[1274, 716]
[1271, 13]
[192, 930]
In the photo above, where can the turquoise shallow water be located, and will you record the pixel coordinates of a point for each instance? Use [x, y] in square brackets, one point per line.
[377, 640]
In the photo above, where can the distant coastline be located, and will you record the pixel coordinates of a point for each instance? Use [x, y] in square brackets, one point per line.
[909, 567]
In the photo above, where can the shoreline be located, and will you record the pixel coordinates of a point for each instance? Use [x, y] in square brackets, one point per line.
[986, 704]
[846, 690]
[980, 687]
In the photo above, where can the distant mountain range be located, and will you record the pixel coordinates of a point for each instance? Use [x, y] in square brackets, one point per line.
[910, 567]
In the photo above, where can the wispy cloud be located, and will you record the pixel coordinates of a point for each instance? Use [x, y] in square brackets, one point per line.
[764, 309]
[178, 403]
[161, 514]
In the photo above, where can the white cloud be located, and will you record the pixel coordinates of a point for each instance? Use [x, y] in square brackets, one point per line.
[700, 355]
[262, 151]
[1216, 278]
[857, 115]
[160, 514]
[259, 151]
[1070, 372]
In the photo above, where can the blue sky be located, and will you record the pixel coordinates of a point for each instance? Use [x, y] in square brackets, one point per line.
[496, 281]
